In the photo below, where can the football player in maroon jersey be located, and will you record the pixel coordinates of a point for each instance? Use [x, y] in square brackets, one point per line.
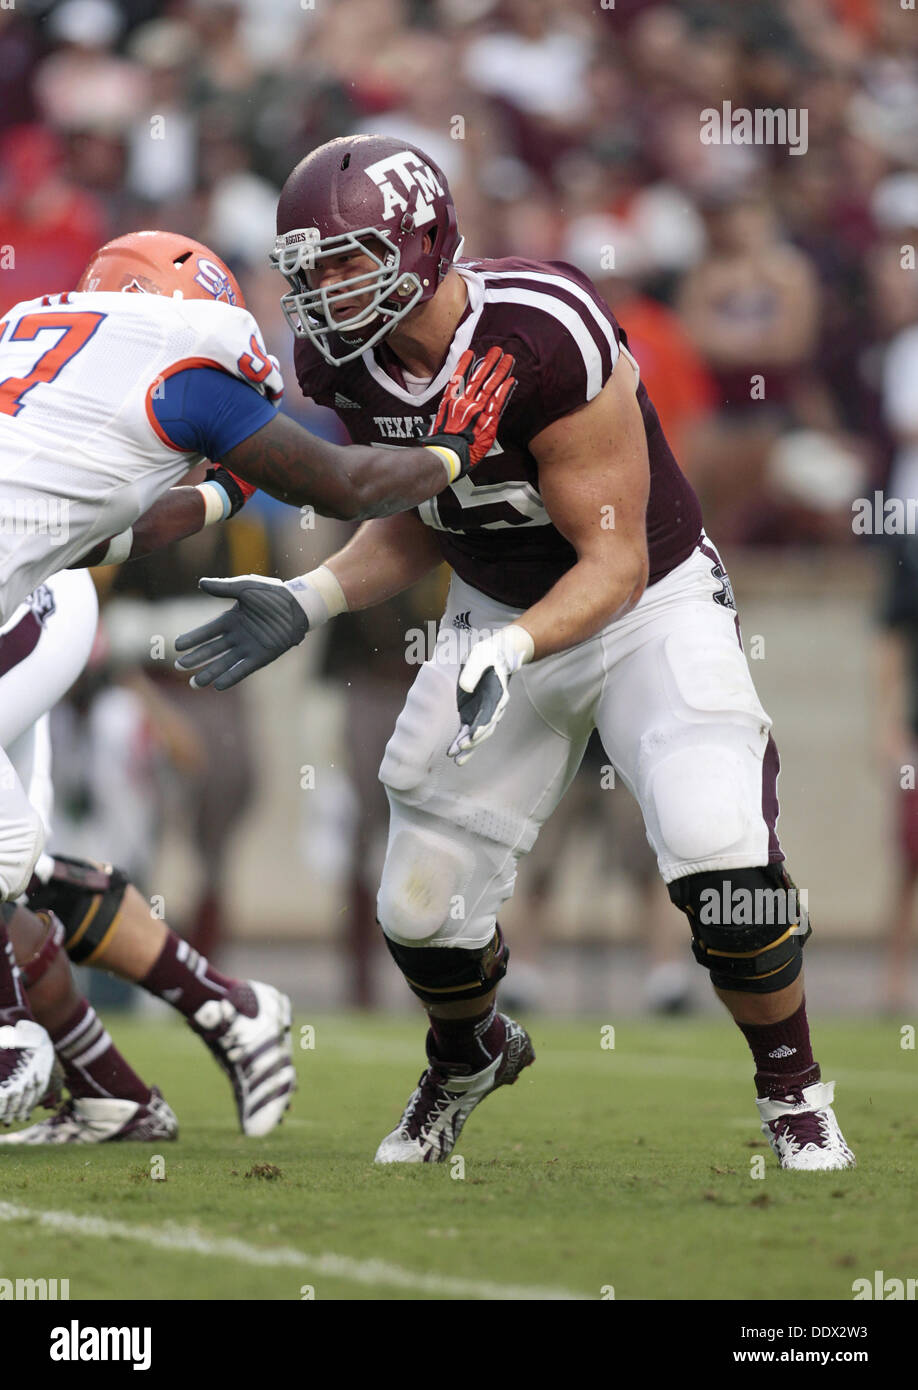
[584, 594]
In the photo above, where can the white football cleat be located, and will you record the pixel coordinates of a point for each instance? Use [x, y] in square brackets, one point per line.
[443, 1100]
[803, 1131]
[94, 1120]
[249, 1034]
[26, 1063]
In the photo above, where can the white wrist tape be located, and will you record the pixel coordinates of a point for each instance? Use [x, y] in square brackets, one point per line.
[515, 644]
[449, 458]
[217, 506]
[119, 548]
[319, 595]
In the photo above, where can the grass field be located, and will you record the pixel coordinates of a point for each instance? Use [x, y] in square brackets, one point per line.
[629, 1168]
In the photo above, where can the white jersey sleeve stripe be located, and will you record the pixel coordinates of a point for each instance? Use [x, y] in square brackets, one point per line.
[569, 287]
[592, 357]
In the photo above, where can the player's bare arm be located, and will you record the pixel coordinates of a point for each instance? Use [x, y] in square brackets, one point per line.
[383, 558]
[360, 481]
[181, 512]
[347, 482]
[594, 478]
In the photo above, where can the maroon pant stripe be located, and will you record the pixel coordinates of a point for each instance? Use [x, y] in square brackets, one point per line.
[16, 644]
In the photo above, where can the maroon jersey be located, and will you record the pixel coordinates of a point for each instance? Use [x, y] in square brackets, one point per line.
[492, 526]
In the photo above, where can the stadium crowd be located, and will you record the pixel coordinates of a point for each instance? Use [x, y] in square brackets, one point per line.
[565, 130]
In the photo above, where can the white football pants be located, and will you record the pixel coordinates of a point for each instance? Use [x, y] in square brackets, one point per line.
[669, 690]
[43, 648]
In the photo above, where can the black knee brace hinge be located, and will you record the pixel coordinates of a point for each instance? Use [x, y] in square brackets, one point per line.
[748, 926]
[87, 898]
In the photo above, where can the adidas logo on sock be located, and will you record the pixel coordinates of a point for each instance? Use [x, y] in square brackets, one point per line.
[783, 1051]
[345, 402]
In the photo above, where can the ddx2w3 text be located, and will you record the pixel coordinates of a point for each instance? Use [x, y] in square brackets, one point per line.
[771, 1334]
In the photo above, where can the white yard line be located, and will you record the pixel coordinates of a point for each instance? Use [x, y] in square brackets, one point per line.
[372, 1273]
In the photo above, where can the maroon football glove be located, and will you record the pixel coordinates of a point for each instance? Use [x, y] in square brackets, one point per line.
[472, 405]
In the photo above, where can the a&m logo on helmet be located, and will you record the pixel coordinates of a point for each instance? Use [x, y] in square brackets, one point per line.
[415, 177]
[212, 278]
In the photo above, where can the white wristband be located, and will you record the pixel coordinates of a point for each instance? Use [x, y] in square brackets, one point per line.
[119, 548]
[217, 505]
[449, 458]
[319, 595]
[516, 645]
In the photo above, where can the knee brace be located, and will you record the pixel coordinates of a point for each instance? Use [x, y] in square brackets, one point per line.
[748, 926]
[87, 898]
[41, 961]
[449, 974]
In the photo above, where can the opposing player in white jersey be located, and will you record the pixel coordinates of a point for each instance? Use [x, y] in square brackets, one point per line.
[584, 594]
[109, 396]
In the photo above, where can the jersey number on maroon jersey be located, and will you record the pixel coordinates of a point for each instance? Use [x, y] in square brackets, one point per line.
[78, 329]
[467, 505]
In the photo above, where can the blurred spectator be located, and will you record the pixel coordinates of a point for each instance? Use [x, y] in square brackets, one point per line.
[84, 85]
[752, 307]
[677, 379]
[48, 227]
[20, 48]
[534, 66]
[163, 136]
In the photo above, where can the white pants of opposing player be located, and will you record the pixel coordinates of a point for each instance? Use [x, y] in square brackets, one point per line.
[43, 648]
[669, 690]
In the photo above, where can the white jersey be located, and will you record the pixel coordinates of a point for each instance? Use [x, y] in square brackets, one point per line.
[81, 455]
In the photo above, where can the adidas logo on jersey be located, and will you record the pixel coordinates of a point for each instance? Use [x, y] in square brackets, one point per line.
[783, 1051]
[463, 620]
[345, 403]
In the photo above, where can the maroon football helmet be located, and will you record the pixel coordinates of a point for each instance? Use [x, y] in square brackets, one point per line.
[377, 196]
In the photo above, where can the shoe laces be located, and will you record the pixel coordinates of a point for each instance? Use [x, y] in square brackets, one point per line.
[807, 1129]
[430, 1100]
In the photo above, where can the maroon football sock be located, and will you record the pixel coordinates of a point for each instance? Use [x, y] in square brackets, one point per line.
[466, 1043]
[92, 1064]
[186, 980]
[783, 1054]
[13, 1005]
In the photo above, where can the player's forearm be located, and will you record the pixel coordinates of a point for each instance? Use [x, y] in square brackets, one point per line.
[594, 592]
[385, 557]
[349, 482]
[178, 513]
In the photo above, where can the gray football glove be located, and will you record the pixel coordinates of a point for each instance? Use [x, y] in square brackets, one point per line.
[264, 622]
